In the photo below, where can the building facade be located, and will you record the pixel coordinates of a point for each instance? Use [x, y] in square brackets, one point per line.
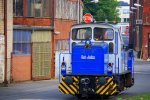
[146, 30]
[124, 12]
[1, 41]
[6, 26]
[35, 36]
[66, 15]
[32, 40]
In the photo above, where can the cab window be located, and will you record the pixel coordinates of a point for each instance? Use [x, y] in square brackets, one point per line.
[82, 33]
[103, 34]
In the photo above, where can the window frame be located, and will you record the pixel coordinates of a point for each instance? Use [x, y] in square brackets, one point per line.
[15, 8]
[81, 39]
[43, 8]
[61, 45]
[22, 42]
[103, 34]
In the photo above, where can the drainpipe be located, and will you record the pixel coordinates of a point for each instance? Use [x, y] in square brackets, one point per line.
[5, 42]
[53, 41]
[78, 20]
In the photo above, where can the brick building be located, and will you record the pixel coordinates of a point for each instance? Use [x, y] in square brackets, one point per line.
[1, 41]
[6, 26]
[35, 38]
[146, 29]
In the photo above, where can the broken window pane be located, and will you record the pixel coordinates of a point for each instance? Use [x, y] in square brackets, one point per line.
[38, 8]
[18, 7]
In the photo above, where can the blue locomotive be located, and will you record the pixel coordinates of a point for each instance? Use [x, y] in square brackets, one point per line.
[98, 62]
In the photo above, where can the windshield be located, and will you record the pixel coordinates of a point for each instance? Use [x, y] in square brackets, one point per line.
[82, 33]
[124, 29]
[103, 34]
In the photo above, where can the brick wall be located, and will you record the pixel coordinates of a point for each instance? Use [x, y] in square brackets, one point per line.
[146, 29]
[146, 14]
[63, 26]
[146, 2]
[1, 17]
[32, 21]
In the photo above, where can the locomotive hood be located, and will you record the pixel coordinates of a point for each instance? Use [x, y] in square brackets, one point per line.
[89, 59]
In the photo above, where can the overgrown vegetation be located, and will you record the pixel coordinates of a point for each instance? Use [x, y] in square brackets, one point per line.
[139, 97]
[104, 9]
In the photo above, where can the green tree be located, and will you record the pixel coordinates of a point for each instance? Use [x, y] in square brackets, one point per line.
[104, 9]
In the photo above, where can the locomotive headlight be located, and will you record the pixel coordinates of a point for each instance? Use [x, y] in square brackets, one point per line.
[109, 68]
[87, 42]
[63, 66]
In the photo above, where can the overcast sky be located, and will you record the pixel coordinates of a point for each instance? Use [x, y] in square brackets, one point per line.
[125, 0]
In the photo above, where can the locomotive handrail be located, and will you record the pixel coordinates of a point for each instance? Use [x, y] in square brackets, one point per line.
[60, 64]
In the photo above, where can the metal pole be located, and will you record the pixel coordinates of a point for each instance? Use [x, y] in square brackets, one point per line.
[137, 42]
[132, 29]
[5, 43]
[78, 11]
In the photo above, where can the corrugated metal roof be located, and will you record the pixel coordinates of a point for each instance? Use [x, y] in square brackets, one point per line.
[41, 36]
[23, 27]
[94, 24]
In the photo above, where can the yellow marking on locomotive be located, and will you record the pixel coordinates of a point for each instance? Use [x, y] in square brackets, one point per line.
[104, 85]
[73, 88]
[63, 78]
[114, 86]
[105, 90]
[75, 79]
[97, 86]
[113, 92]
[112, 83]
[76, 85]
[67, 87]
[113, 89]
[109, 80]
[100, 89]
[107, 93]
[63, 89]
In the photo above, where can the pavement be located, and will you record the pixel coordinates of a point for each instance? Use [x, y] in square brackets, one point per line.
[48, 90]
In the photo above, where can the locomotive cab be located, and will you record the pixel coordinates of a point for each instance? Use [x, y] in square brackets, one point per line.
[96, 63]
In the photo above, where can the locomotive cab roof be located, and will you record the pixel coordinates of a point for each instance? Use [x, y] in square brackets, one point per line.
[104, 25]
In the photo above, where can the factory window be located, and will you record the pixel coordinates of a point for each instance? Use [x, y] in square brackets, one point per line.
[126, 11]
[38, 8]
[62, 45]
[21, 42]
[18, 7]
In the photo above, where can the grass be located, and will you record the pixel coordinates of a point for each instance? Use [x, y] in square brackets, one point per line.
[145, 96]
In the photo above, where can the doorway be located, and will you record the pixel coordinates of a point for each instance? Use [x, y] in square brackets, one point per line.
[41, 55]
